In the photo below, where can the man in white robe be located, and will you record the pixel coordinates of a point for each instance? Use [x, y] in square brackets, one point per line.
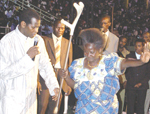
[18, 70]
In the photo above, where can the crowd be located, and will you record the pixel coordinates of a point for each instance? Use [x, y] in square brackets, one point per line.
[131, 22]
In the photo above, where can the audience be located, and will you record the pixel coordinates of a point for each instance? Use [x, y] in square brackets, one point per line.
[131, 22]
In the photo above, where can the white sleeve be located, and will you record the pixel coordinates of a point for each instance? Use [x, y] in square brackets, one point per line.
[11, 69]
[46, 69]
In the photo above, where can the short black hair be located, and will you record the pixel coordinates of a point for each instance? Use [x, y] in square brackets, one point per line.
[58, 20]
[27, 15]
[105, 16]
[123, 37]
[146, 33]
[140, 40]
[93, 35]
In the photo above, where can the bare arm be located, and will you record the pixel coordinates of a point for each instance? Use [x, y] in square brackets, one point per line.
[70, 82]
[145, 56]
[130, 63]
[64, 74]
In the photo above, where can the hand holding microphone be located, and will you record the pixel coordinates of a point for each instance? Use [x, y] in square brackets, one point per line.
[33, 51]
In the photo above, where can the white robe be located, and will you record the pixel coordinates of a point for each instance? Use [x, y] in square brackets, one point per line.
[18, 73]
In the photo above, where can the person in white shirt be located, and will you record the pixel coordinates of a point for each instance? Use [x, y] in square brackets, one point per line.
[112, 40]
[20, 61]
[137, 81]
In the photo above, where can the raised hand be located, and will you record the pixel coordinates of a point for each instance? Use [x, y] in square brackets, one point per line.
[146, 53]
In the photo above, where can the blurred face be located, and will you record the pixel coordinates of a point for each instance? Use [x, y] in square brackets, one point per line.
[146, 37]
[139, 47]
[90, 52]
[31, 29]
[59, 29]
[105, 23]
[122, 42]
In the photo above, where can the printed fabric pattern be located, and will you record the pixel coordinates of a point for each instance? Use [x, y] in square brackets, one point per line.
[96, 89]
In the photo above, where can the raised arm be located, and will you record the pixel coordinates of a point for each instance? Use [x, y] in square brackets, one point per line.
[134, 63]
[130, 63]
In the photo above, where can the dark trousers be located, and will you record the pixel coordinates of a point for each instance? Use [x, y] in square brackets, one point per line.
[43, 100]
[52, 105]
[137, 96]
[45, 103]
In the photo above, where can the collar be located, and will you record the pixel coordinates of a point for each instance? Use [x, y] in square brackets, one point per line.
[107, 33]
[55, 37]
[20, 34]
[137, 55]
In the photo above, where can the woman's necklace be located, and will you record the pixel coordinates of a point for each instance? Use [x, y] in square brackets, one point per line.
[94, 65]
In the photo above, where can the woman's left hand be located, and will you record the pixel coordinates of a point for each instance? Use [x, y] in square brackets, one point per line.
[146, 53]
[69, 91]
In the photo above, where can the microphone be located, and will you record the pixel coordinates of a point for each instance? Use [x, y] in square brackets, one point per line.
[35, 44]
[35, 41]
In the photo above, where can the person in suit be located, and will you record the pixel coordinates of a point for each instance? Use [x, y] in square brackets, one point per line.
[112, 40]
[122, 52]
[137, 81]
[56, 46]
[146, 37]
